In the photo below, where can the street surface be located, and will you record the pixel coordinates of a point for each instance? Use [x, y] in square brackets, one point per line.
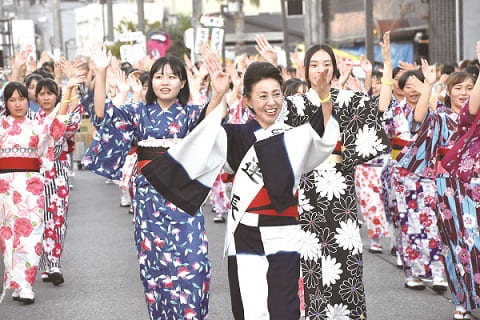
[102, 282]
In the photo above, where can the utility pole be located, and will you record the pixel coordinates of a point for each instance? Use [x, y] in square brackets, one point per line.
[57, 28]
[368, 6]
[141, 16]
[239, 28]
[196, 14]
[307, 22]
[285, 34]
[110, 20]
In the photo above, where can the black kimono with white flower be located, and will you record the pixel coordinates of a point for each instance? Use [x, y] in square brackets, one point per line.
[332, 262]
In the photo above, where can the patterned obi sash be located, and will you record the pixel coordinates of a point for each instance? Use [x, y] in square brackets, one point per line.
[147, 150]
[262, 204]
[441, 152]
[397, 145]
[336, 156]
[19, 164]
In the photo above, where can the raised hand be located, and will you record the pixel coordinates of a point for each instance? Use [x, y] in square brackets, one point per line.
[265, 49]
[386, 51]
[236, 80]
[428, 73]
[135, 84]
[20, 59]
[76, 80]
[345, 73]
[66, 67]
[405, 66]
[101, 57]
[121, 82]
[219, 78]
[365, 64]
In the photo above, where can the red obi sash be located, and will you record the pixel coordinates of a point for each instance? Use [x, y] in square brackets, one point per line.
[145, 155]
[262, 204]
[19, 164]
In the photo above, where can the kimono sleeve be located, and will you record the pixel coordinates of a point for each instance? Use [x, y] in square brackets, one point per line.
[185, 173]
[112, 142]
[285, 157]
[362, 128]
[435, 131]
[72, 123]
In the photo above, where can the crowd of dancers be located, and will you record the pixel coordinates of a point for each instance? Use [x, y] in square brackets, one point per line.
[312, 156]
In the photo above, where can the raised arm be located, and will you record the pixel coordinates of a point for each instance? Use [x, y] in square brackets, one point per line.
[474, 104]
[387, 81]
[366, 66]
[220, 83]
[102, 60]
[266, 50]
[70, 96]
[425, 89]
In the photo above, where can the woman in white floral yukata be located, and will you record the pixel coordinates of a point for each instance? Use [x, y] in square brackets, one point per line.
[26, 149]
[331, 262]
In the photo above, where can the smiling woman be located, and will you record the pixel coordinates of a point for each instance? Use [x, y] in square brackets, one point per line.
[267, 158]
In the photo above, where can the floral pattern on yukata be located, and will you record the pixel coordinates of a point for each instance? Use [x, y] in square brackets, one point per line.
[332, 269]
[172, 246]
[57, 195]
[368, 188]
[458, 205]
[22, 198]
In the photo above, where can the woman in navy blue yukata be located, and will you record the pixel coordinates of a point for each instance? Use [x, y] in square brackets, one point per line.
[172, 246]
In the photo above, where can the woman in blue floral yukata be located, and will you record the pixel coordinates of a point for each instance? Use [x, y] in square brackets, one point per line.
[172, 246]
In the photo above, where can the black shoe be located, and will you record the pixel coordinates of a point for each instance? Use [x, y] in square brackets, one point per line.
[393, 252]
[56, 278]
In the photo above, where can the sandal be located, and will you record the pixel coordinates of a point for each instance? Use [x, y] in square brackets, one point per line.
[460, 315]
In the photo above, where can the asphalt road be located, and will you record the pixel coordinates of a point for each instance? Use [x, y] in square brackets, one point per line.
[102, 282]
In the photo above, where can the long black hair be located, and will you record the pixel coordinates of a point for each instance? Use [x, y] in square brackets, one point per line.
[309, 54]
[178, 69]
[8, 91]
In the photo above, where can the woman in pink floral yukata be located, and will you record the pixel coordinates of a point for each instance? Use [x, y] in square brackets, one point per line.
[26, 150]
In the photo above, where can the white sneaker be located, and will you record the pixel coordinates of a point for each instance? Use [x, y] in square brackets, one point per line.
[15, 294]
[399, 262]
[439, 284]
[26, 295]
[414, 283]
[108, 181]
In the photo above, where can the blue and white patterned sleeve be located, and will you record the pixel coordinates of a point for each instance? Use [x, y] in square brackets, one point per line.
[112, 142]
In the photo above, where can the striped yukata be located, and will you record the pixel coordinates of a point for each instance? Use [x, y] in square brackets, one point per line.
[57, 194]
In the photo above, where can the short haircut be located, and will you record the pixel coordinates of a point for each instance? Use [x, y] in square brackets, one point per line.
[258, 71]
[8, 91]
[403, 79]
[49, 84]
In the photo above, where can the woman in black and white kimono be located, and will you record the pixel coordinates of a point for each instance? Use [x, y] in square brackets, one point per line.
[331, 263]
[268, 158]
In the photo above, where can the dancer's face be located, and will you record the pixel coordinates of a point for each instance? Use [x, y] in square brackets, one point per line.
[320, 61]
[17, 105]
[47, 99]
[266, 101]
[410, 92]
[166, 85]
[459, 93]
